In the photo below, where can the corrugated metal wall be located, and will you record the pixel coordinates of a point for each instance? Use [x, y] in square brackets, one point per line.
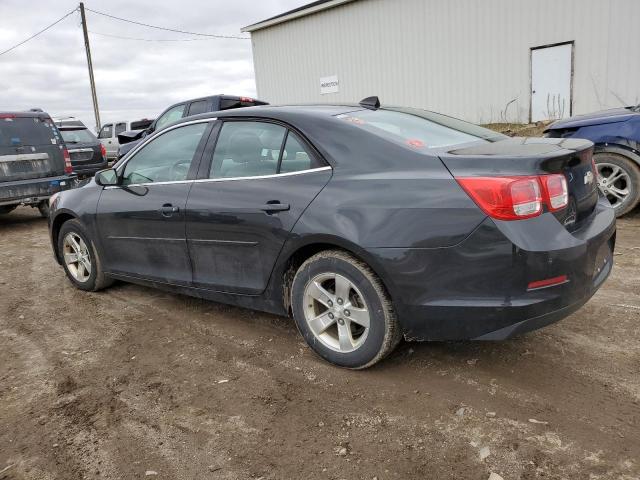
[466, 58]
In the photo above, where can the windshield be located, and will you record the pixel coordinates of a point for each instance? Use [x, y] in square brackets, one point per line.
[78, 136]
[419, 129]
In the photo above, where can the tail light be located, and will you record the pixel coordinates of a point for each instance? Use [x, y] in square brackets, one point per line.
[68, 168]
[103, 151]
[557, 193]
[517, 198]
[505, 198]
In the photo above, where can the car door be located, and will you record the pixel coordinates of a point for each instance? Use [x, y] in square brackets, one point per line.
[249, 194]
[106, 139]
[141, 222]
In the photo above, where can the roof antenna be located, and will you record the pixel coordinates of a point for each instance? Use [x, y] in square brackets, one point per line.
[372, 103]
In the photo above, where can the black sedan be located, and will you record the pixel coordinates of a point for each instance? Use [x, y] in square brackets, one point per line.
[366, 224]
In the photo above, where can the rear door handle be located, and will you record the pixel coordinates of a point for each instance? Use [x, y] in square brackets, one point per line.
[167, 210]
[275, 206]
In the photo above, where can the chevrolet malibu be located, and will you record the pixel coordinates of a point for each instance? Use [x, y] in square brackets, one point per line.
[366, 224]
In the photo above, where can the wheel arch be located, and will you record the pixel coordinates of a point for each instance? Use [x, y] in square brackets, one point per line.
[56, 224]
[624, 150]
[299, 252]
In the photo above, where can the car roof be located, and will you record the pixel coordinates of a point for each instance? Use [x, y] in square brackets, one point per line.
[278, 112]
[27, 114]
[209, 97]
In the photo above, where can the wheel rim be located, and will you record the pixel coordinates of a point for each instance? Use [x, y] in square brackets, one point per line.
[613, 182]
[336, 312]
[76, 257]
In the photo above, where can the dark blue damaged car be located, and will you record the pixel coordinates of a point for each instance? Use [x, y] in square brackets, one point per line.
[616, 137]
[365, 224]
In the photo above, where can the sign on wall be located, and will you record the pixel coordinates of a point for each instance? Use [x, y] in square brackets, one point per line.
[329, 85]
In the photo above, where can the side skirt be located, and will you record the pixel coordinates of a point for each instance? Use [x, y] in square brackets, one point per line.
[261, 302]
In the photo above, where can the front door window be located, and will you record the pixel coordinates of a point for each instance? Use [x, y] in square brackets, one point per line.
[165, 159]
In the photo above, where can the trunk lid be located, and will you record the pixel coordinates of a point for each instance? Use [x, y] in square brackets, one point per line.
[30, 147]
[535, 156]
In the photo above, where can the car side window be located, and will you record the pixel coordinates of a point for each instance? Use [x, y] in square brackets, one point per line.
[200, 106]
[167, 158]
[106, 131]
[296, 157]
[171, 115]
[247, 149]
[120, 127]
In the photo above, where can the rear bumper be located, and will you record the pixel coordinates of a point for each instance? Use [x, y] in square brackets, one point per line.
[33, 191]
[478, 289]
[90, 169]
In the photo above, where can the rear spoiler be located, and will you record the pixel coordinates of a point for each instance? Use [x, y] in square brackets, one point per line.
[129, 136]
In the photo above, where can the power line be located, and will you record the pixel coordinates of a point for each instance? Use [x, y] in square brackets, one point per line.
[166, 29]
[151, 39]
[38, 33]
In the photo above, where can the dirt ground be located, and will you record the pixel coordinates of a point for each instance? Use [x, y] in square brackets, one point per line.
[136, 383]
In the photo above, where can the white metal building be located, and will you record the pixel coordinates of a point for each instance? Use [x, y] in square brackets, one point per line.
[480, 60]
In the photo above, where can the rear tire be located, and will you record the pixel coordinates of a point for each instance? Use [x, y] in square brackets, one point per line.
[618, 180]
[80, 259]
[43, 208]
[343, 311]
[7, 209]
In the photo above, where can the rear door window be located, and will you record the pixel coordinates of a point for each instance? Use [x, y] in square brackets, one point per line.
[247, 149]
[120, 127]
[201, 106]
[20, 131]
[172, 115]
[106, 131]
[296, 156]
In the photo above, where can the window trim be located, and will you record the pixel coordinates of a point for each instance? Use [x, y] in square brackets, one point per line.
[228, 179]
[212, 142]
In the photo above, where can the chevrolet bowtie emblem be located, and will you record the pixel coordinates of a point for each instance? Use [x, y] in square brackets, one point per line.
[588, 178]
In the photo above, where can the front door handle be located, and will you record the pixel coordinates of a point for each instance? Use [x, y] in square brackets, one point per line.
[167, 210]
[274, 206]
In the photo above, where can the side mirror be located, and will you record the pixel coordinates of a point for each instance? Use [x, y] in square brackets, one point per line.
[108, 177]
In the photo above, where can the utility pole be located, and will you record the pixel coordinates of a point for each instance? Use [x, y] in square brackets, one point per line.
[90, 65]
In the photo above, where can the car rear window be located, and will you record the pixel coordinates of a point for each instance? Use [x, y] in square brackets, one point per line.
[19, 131]
[227, 103]
[419, 129]
[141, 124]
[80, 135]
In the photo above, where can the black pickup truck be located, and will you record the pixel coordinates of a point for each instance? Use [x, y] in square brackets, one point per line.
[128, 140]
[34, 161]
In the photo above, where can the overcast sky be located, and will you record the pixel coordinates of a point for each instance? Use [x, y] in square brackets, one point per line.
[134, 79]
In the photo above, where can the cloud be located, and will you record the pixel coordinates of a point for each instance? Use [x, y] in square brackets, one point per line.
[134, 79]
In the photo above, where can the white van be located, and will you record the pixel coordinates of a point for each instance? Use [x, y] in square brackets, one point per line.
[109, 132]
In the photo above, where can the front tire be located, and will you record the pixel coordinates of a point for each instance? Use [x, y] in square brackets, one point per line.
[618, 180]
[343, 311]
[80, 259]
